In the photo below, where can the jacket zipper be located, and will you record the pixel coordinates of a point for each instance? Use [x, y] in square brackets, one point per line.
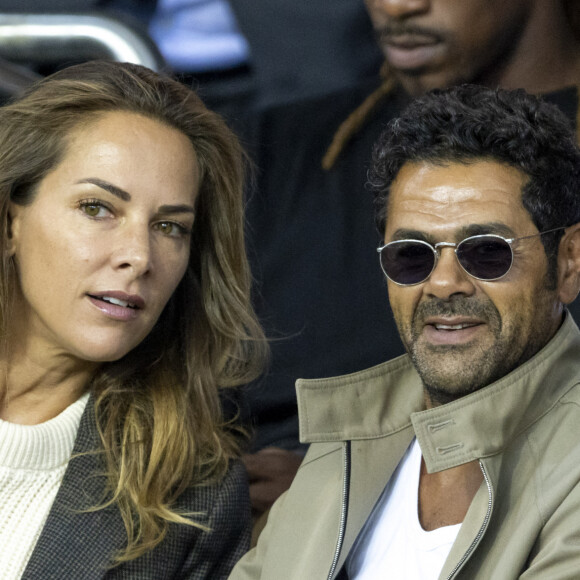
[344, 508]
[481, 529]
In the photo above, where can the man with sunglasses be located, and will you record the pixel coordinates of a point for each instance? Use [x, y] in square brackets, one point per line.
[326, 322]
[460, 459]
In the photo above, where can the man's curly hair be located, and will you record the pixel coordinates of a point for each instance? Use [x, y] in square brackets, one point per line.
[469, 123]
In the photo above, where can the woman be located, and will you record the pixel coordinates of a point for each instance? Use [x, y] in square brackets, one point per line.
[124, 299]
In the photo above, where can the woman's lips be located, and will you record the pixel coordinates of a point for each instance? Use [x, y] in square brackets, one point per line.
[118, 305]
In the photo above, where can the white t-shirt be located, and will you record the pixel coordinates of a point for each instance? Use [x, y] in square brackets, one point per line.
[392, 543]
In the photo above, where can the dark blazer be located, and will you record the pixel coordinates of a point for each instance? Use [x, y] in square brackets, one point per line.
[75, 544]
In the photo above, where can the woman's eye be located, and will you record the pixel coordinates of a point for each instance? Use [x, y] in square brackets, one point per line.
[171, 229]
[94, 209]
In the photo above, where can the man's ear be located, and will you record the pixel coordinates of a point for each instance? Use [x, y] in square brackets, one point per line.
[569, 265]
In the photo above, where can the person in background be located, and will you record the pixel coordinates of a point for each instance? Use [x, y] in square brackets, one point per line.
[241, 56]
[306, 48]
[124, 315]
[460, 459]
[311, 245]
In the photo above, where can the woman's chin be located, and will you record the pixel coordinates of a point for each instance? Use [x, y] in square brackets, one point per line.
[100, 353]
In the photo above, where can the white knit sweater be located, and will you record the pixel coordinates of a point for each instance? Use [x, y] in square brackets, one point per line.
[33, 459]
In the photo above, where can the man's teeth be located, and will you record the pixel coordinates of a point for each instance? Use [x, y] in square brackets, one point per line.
[452, 326]
[118, 302]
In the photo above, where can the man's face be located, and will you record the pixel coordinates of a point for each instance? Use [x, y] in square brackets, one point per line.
[439, 43]
[463, 333]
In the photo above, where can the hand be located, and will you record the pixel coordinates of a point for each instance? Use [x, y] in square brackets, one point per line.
[271, 471]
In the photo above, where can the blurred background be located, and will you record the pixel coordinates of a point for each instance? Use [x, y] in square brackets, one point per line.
[238, 53]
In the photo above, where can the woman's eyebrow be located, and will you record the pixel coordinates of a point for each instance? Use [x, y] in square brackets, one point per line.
[125, 196]
[176, 209]
[116, 191]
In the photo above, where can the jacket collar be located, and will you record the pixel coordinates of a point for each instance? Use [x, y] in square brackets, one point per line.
[388, 398]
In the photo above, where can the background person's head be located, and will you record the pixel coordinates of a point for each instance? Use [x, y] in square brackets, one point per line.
[439, 43]
[471, 161]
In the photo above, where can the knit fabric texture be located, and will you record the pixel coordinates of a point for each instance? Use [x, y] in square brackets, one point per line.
[33, 459]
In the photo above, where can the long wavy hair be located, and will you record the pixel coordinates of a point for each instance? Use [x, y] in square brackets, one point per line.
[158, 408]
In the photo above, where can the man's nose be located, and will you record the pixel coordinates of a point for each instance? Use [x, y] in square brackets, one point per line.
[133, 251]
[448, 278]
[400, 8]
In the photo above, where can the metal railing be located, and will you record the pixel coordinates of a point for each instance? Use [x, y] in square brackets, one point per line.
[50, 39]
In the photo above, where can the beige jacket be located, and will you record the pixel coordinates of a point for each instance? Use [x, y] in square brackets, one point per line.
[524, 429]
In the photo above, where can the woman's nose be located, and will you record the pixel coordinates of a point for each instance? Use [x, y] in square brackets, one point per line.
[133, 251]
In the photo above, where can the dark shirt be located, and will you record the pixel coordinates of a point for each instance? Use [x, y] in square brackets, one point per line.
[320, 292]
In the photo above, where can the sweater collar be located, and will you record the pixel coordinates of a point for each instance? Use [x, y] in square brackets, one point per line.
[44, 446]
[389, 397]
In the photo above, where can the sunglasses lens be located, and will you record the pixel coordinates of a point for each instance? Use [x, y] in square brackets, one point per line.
[485, 257]
[407, 262]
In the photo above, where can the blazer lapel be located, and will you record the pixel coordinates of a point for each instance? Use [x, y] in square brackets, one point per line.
[73, 543]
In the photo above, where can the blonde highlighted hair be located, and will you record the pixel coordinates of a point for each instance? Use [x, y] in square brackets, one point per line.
[158, 408]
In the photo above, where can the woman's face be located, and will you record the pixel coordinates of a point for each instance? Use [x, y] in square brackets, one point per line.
[106, 240]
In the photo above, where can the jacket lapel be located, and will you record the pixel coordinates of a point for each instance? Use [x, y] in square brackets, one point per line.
[372, 465]
[73, 543]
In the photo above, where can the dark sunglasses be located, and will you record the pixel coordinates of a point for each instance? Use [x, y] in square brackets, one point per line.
[485, 257]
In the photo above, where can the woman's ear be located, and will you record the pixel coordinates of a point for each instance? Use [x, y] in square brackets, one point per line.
[569, 265]
[12, 225]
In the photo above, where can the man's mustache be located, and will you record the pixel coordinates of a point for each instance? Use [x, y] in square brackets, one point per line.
[472, 308]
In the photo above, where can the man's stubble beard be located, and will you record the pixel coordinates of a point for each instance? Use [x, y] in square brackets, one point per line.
[449, 372]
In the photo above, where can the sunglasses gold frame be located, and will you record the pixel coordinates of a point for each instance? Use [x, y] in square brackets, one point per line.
[436, 248]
